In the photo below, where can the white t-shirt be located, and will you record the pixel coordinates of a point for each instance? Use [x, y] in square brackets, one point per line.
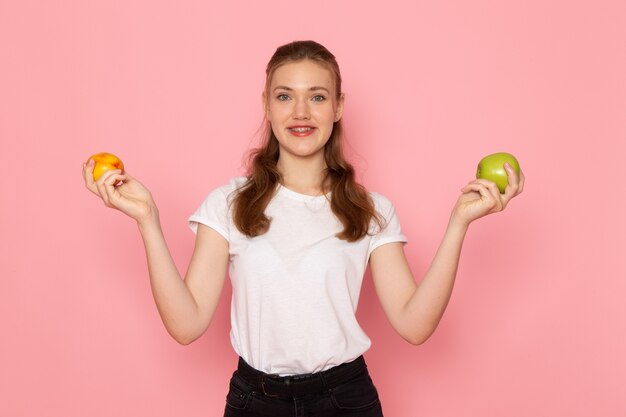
[296, 287]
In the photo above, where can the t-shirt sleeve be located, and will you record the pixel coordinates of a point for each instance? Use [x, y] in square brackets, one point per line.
[390, 230]
[214, 213]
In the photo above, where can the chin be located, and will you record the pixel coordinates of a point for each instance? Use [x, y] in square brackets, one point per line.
[303, 151]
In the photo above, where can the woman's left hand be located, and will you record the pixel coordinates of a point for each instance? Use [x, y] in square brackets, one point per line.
[482, 197]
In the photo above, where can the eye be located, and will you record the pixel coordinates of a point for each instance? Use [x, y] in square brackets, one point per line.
[282, 97]
[318, 98]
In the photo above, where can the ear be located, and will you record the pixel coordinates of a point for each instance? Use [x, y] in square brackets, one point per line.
[264, 104]
[339, 109]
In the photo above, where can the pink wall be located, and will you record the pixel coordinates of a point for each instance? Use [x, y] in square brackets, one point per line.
[536, 326]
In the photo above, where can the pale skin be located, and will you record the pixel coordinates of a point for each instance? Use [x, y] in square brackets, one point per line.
[301, 94]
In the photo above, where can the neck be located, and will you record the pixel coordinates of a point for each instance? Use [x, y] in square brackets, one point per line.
[302, 175]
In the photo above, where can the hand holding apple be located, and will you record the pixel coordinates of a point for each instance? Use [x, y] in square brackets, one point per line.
[484, 195]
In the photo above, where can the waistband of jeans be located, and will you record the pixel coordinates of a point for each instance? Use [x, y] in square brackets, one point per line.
[273, 385]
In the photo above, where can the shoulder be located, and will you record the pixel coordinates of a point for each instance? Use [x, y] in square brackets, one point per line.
[233, 184]
[385, 209]
[381, 203]
[214, 211]
[388, 230]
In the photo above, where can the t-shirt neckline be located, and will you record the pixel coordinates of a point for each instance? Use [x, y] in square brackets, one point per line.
[299, 196]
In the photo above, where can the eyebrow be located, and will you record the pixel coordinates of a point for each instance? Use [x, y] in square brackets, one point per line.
[315, 88]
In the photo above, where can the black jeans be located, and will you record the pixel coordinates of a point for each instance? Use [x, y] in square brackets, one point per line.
[352, 395]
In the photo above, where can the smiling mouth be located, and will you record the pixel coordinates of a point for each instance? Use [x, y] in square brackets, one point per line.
[301, 129]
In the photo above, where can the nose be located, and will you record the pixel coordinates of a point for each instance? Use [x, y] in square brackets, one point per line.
[301, 110]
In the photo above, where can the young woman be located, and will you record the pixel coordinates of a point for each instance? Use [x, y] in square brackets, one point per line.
[295, 237]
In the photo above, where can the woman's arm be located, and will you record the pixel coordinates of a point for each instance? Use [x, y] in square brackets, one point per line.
[186, 306]
[415, 310]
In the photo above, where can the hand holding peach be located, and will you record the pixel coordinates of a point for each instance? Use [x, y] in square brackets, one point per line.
[105, 177]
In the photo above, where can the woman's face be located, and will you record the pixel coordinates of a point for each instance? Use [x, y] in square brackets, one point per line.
[301, 106]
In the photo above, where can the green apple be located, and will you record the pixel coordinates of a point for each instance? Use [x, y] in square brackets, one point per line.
[491, 168]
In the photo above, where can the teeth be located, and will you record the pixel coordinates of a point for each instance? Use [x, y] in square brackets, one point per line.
[301, 129]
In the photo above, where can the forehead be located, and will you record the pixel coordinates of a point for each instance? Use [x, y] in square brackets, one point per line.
[303, 74]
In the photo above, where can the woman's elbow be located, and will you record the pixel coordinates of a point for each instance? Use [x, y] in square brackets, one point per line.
[186, 337]
[416, 340]
[184, 340]
[419, 337]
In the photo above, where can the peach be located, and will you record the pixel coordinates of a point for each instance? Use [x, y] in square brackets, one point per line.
[104, 162]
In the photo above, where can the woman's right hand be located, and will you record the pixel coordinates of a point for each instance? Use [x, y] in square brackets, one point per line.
[121, 191]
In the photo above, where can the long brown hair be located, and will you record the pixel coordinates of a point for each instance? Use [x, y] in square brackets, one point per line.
[349, 200]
